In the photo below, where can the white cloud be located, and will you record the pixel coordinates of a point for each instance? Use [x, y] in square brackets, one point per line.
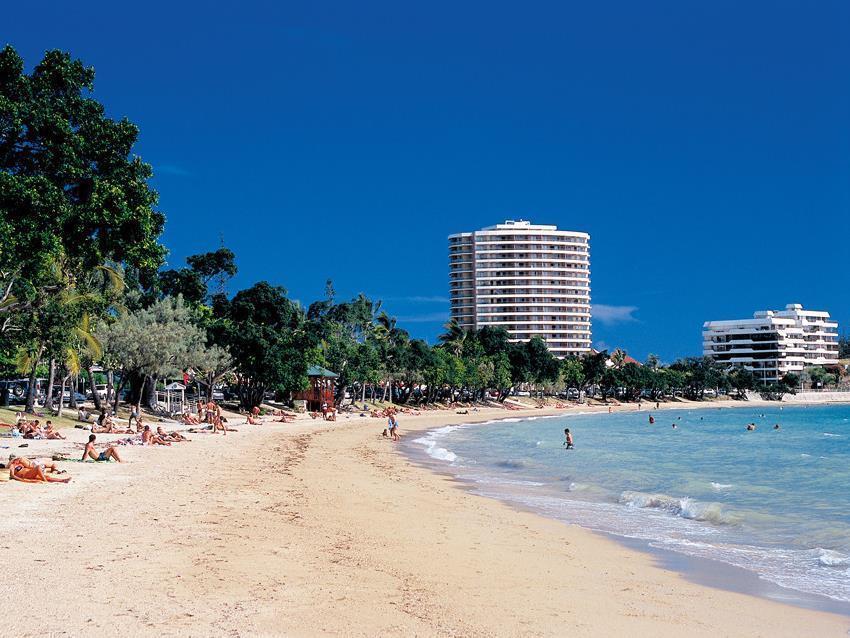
[613, 315]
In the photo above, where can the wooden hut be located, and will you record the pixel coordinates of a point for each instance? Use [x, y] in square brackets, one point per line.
[321, 389]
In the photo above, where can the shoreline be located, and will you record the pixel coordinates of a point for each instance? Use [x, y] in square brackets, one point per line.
[702, 571]
[320, 527]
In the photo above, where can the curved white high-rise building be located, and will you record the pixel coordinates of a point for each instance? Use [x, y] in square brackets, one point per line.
[527, 278]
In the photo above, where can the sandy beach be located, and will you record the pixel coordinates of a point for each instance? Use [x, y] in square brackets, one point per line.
[318, 528]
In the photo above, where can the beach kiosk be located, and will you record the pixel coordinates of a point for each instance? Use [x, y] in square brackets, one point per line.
[172, 398]
[321, 389]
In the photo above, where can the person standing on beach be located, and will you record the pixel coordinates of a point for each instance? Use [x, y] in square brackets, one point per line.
[568, 443]
[392, 425]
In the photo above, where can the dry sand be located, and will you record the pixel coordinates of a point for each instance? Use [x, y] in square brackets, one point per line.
[319, 528]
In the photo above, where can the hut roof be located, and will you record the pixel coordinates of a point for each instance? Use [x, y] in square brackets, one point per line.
[319, 371]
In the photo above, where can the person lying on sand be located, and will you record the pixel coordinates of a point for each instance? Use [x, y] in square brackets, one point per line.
[92, 453]
[149, 438]
[109, 427]
[189, 419]
[284, 417]
[174, 437]
[23, 470]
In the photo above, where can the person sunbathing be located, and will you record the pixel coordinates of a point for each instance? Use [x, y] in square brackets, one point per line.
[189, 419]
[108, 427]
[174, 437]
[149, 438]
[50, 432]
[23, 470]
[251, 420]
[284, 417]
[32, 430]
[92, 453]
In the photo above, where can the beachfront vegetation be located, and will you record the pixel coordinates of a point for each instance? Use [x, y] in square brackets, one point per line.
[844, 346]
[82, 292]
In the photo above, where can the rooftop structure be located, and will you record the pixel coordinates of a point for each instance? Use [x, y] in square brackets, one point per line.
[531, 279]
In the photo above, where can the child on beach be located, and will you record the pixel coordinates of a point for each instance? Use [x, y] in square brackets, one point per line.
[568, 443]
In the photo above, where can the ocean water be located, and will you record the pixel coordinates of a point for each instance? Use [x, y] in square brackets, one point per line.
[775, 502]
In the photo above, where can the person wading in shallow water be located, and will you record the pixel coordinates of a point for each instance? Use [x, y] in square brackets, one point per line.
[568, 443]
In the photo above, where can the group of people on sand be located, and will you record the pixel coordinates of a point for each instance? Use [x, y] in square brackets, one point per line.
[208, 413]
[256, 418]
[26, 471]
[32, 429]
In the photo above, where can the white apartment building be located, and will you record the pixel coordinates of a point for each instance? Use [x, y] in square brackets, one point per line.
[774, 343]
[527, 278]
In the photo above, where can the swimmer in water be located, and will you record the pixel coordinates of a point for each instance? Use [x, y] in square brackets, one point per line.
[776, 427]
[751, 427]
[675, 427]
[651, 419]
[568, 443]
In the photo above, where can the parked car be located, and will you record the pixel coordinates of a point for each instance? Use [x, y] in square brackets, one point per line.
[18, 388]
[100, 388]
[79, 397]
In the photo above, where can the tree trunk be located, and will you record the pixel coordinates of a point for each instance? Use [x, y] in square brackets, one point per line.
[141, 391]
[110, 380]
[117, 395]
[150, 394]
[62, 395]
[48, 397]
[30, 404]
[72, 399]
[95, 395]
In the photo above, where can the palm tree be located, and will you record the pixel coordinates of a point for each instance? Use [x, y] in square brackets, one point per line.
[618, 358]
[83, 344]
[454, 337]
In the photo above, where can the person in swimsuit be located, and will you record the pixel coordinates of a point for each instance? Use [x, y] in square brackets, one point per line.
[50, 433]
[392, 425]
[91, 453]
[25, 471]
[149, 438]
[169, 436]
[568, 442]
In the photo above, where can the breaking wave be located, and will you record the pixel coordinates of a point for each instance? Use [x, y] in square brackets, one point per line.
[683, 507]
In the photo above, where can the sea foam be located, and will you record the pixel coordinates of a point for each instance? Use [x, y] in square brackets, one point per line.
[684, 507]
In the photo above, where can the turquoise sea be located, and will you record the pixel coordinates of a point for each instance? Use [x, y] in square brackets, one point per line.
[775, 502]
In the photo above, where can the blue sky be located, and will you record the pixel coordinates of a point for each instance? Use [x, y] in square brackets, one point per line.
[705, 146]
